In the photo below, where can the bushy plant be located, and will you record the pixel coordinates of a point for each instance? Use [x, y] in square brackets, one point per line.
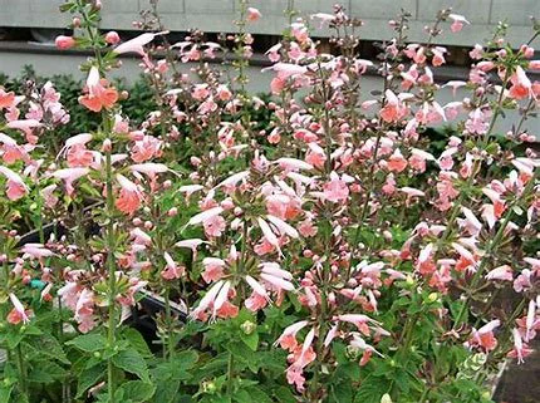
[312, 246]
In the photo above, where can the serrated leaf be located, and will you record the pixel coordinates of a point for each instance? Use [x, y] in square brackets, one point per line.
[133, 362]
[89, 378]
[137, 391]
[251, 340]
[136, 341]
[89, 342]
[166, 391]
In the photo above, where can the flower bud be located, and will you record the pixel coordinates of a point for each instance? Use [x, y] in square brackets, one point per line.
[107, 145]
[64, 42]
[112, 37]
[386, 398]
[248, 327]
[172, 212]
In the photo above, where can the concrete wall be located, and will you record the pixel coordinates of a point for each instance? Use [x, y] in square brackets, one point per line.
[217, 15]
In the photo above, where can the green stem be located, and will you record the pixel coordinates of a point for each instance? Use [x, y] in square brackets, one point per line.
[230, 374]
[111, 265]
[169, 320]
[424, 395]
[22, 372]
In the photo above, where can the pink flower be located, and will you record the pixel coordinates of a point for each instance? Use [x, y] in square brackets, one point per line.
[69, 176]
[130, 197]
[7, 99]
[521, 85]
[521, 350]
[253, 14]
[18, 314]
[213, 269]
[214, 226]
[484, 337]
[501, 273]
[457, 22]
[172, 271]
[396, 162]
[394, 110]
[136, 45]
[146, 148]
[99, 95]
[15, 186]
[336, 191]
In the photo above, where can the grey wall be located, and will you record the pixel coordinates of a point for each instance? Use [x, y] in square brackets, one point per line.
[217, 15]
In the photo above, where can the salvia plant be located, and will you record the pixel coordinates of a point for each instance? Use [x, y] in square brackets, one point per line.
[307, 246]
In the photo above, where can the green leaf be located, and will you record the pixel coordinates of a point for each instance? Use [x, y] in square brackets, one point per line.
[89, 342]
[89, 378]
[133, 362]
[166, 391]
[5, 394]
[136, 341]
[242, 396]
[341, 393]
[46, 373]
[137, 391]
[284, 395]
[258, 395]
[48, 346]
[251, 340]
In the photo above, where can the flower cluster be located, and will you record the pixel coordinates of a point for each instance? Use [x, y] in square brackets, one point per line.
[333, 246]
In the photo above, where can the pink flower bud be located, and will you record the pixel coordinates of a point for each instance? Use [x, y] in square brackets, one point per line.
[107, 145]
[172, 212]
[112, 37]
[63, 42]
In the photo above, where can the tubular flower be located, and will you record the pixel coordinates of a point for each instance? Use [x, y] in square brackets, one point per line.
[98, 95]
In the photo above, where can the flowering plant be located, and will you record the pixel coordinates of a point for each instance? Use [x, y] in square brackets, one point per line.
[329, 256]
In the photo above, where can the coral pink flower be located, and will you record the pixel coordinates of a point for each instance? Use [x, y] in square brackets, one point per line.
[484, 337]
[99, 96]
[79, 156]
[130, 197]
[172, 271]
[213, 269]
[396, 162]
[394, 110]
[7, 99]
[15, 186]
[18, 314]
[146, 148]
[521, 85]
